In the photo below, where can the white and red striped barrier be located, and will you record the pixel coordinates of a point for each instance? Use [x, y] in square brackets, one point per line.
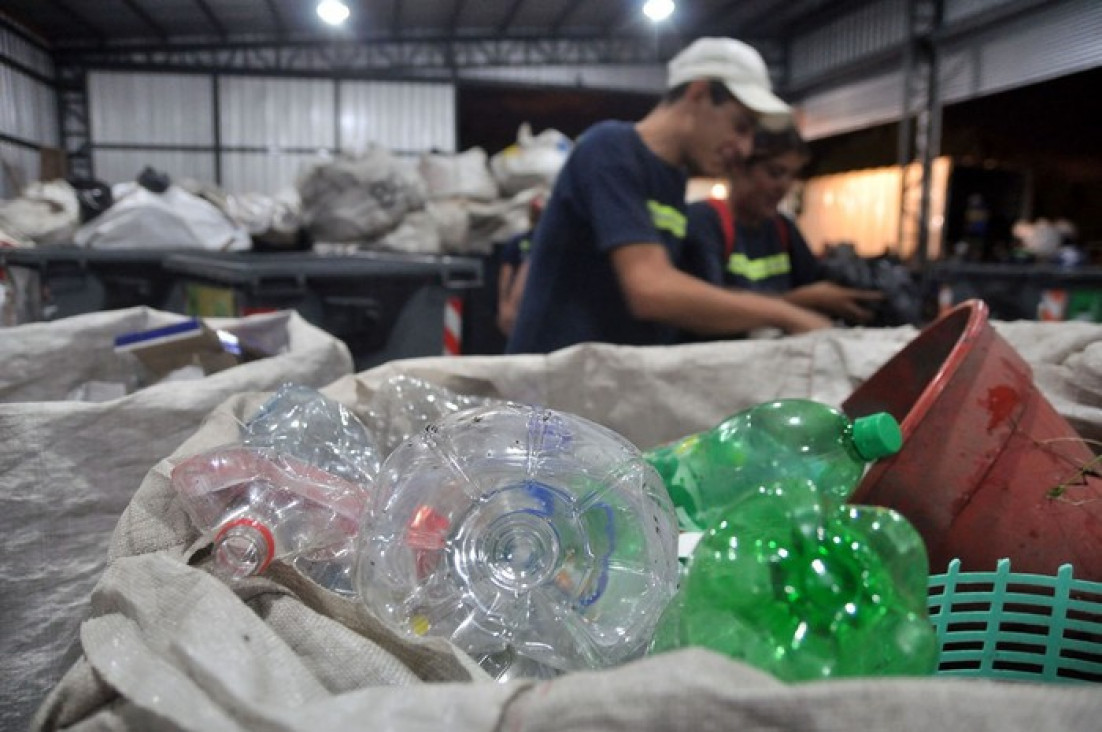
[453, 326]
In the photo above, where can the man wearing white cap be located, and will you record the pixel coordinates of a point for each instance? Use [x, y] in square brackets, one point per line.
[605, 258]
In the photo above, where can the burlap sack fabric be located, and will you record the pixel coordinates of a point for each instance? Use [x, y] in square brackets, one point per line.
[170, 647]
[69, 468]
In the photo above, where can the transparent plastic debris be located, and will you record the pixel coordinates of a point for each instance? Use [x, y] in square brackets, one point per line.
[404, 405]
[537, 541]
[260, 505]
[303, 422]
[295, 489]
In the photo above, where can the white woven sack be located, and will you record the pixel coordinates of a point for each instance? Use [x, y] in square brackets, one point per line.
[458, 175]
[534, 160]
[175, 219]
[68, 469]
[358, 197]
[169, 647]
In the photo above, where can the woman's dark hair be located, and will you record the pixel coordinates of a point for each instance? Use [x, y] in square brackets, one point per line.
[717, 90]
[769, 145]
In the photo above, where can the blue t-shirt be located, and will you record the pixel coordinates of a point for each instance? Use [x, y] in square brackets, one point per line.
[516, 249]
[761, 260]
[612, 191]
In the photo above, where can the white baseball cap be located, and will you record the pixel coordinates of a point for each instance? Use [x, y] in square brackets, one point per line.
[740, 68]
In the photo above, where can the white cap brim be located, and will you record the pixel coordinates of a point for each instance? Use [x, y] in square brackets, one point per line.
[774, 115]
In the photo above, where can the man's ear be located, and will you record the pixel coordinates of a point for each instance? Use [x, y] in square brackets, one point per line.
[699, 90]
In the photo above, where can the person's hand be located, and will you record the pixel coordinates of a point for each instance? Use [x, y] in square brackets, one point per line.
[802, 320]
[843, 302]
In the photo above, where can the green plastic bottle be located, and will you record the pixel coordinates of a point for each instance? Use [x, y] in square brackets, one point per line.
[786, 438]
[805, 588]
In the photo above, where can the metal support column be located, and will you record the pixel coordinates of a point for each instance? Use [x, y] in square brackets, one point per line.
[920, 122]
[74, 120]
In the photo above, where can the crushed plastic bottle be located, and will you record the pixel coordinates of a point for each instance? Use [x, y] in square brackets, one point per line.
[706, 471]
[403, 405]
[260, 505]
[535, 540]
[303, 422]
[294, 489]
[804, 588]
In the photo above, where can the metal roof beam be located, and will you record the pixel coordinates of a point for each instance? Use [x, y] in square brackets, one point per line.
[357, 59]
[560, 21]
[825, 13]
[621, 18]
[710, 20]
[140, 12]
[94, 31]
[208, 13]
[277, 19]
[510, 16]
[457, 12]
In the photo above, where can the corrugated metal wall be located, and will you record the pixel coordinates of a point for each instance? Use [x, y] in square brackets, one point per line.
[255, 133]
[1056, 39]
[156, 113]
[28, 110]
[846, 40]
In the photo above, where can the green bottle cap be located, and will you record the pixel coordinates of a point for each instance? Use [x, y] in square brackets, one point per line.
[876, 436]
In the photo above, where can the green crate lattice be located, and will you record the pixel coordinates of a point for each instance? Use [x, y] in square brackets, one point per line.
[1007, 625]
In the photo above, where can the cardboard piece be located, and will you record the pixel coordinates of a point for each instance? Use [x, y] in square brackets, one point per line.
[189, 343]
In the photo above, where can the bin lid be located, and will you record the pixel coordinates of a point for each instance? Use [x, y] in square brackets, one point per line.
[253, 268]
[42, 257]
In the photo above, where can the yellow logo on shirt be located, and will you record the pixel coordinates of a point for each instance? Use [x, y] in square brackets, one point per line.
[667, 218]
[759, 269]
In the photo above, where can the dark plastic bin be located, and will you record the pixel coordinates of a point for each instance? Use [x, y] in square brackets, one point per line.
[72, 281]
[383, 306]
[1022, 291]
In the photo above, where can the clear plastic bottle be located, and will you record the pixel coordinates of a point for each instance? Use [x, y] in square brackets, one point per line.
[259, 505]
[301, 421]
[403, 405]
[535, 540]
[801, 438]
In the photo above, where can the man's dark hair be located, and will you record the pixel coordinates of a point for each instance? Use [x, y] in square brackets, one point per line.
[717, 90]
[769, 145]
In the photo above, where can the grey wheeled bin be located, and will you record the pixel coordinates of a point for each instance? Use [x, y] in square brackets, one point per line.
[59, 282]
[384, 306]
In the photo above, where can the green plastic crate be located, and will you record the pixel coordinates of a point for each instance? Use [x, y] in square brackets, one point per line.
[1007, 625]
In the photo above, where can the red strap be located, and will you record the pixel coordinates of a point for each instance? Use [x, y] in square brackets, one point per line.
[782, 232]
[726, 223]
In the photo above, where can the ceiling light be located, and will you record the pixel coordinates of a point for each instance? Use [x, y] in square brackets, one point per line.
[658, 10]
[333, 12]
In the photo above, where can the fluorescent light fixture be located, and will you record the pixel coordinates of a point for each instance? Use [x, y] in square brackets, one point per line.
[333, 12]
[658, 10]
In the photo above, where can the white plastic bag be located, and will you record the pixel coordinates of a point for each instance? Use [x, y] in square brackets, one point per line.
[47, 212]
[358, 197]
[462, 175]
[453, 223]
[416, 234]
[534, 160]
[175, 219]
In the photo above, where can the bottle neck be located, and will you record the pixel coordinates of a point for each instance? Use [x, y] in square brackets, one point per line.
[243, 547]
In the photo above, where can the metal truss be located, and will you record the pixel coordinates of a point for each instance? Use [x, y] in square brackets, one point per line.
[74, 120]
[368, 59]
[920, 122]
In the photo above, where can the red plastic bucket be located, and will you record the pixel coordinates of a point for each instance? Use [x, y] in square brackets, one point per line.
[988, 468]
